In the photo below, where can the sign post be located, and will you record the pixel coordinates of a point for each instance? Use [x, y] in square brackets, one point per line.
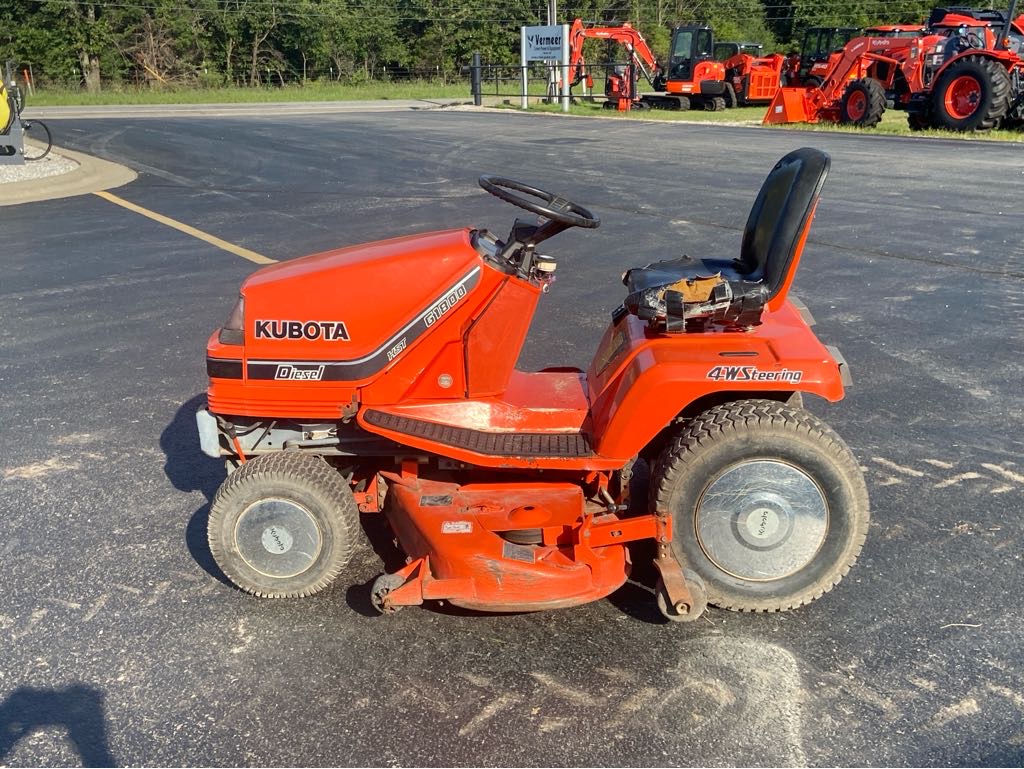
[565, 68]
[523, 69]
[546, 43]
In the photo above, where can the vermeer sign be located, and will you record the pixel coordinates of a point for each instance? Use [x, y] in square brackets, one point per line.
[544, 43]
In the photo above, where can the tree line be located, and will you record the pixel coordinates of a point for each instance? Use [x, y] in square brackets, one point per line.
[75, 43]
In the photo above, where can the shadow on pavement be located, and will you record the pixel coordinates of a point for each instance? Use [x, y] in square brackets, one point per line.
[188, 469]
[78, 709]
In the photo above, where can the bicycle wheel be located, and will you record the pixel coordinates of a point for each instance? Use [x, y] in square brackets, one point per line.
[36, 131]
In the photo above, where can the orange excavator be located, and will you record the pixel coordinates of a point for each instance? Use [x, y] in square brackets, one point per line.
[692, 77]
[620, 86]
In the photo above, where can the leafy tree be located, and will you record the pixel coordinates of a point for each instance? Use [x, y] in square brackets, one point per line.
[88, 31]
[182, 41]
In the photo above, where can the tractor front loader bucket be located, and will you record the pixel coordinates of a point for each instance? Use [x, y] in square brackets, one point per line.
[791, 105]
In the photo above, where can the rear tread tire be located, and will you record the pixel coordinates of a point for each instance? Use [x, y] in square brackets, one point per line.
[995, 97]
[310, 481]
[703, 447]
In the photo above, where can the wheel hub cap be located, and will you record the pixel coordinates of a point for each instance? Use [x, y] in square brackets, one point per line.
[963, 97]
[762, 520]
[858, 105]
[278, 537]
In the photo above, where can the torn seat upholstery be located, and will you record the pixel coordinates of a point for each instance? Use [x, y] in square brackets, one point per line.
[689, 294]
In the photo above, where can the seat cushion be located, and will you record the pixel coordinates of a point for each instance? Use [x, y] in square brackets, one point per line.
[688, 294]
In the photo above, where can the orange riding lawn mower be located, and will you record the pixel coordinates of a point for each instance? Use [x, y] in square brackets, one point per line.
[380, 379]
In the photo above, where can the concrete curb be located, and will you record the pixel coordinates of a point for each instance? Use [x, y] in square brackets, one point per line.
[92, 175]
[243, 109]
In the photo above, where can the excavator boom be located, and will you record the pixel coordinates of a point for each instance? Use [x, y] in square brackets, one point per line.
[640, 53]
[619, 88]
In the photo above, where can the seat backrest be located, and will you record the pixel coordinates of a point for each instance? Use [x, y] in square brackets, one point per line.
[780, 217]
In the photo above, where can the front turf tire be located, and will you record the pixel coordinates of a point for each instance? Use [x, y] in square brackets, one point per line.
[769, 505]
[283, 525]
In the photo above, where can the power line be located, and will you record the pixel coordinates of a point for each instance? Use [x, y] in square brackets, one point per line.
[479, 11]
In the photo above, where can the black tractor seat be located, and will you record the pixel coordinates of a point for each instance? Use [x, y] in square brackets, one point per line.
[689, 294]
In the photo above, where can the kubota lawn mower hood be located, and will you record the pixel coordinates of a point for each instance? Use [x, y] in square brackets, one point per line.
[347, 303]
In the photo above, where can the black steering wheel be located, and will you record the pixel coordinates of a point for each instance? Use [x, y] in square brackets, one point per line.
[546, 204]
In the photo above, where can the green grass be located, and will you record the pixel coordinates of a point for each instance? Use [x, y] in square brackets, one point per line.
[751, 115]
[894, 122]
[418, 89]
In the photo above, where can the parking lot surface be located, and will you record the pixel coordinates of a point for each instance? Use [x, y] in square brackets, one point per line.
[123, 645]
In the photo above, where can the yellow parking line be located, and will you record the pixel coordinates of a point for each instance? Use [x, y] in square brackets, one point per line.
[245, 253]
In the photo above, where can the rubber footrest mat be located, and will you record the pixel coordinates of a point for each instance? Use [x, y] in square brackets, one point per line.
[491, 444]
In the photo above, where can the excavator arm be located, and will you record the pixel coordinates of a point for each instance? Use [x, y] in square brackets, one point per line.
[640, 53]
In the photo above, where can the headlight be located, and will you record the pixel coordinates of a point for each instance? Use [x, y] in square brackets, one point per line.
[232, 332]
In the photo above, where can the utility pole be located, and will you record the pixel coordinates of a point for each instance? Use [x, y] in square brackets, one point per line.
[552, 78]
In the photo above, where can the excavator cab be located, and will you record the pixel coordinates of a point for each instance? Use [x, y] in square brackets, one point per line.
[692, 76]
[690, 46]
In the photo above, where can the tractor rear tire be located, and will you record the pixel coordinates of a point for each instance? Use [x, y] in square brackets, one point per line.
[714, 104]
[972, 95]
[283, 525]
[863, 103]
[769, 506]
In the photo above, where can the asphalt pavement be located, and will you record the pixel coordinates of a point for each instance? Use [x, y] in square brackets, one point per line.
[122, 644]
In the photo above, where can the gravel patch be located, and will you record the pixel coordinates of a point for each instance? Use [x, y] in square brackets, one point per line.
[52, 165]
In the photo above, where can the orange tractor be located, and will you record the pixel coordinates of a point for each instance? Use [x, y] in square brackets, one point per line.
[972, 74]
[341, 385]
[966, 74]
[821, 45]
[850, 91]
